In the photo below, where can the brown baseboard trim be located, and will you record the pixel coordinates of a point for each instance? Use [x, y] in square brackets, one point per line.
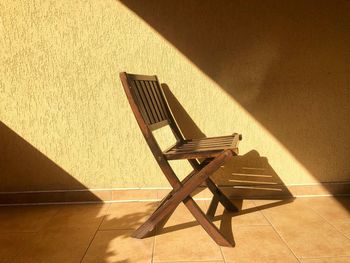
[153, 194]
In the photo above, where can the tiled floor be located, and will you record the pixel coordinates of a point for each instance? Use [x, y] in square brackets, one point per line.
[306, 230]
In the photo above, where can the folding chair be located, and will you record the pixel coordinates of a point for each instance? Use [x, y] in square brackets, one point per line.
[152, 112]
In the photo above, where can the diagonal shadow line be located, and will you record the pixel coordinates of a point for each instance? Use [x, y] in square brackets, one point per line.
[241, 39]
[25, 169]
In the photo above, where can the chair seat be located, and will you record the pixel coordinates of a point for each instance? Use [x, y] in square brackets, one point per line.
[202, 148]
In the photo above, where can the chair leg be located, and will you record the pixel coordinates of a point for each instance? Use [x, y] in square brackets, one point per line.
[181, 194]
[212, 207]
[208, 226]
[219, 195]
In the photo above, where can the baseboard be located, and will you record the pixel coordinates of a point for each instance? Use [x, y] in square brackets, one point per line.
[154, 194]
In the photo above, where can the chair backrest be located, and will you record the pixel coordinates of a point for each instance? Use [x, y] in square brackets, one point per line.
[149, 105]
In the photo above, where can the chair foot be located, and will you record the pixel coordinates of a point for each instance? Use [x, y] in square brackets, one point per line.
[208, 226]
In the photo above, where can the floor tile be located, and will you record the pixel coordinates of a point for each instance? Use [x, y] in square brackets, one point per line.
[127, 215]
[25, 218]
[342, 226]
[183, 216]
[118, 246]
[77, 216]
[185, 244]
[215, 261]
[327, 260]
[258, 244]
[305, 232]
[13, 243]
[335, 210]
[330, 208]
[182, 233]
[249, 214]
[67, 245]
[316, 230]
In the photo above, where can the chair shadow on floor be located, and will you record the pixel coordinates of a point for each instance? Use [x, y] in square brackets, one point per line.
[248, 176]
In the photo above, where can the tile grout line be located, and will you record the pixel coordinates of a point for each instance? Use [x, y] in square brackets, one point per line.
[195, 261]
[92, 239]
[222, 254]
[281, 238]
[206, 208]
[324, 257]
[36, 234]
[154, 244]
[49, 220]
[328, 222]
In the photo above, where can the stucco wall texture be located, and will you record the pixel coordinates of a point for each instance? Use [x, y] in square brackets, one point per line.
[66, 123]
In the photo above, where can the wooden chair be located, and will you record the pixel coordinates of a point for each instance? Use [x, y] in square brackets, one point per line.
[152, 112]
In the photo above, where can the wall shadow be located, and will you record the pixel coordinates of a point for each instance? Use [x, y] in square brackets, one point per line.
[24, 168]
[189, 128]
[286, 63]
[248, 176]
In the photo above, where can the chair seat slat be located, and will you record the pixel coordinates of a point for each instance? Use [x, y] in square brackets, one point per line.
[201, 148]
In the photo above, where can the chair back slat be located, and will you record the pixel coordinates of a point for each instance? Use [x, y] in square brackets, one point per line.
[155, 101]
[140, 98]
[151, 106]
[148, 96]
[162, 105]
[151, 101]
[144, 101]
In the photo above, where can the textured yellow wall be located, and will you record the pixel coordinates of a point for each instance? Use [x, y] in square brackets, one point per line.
[61, 94]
